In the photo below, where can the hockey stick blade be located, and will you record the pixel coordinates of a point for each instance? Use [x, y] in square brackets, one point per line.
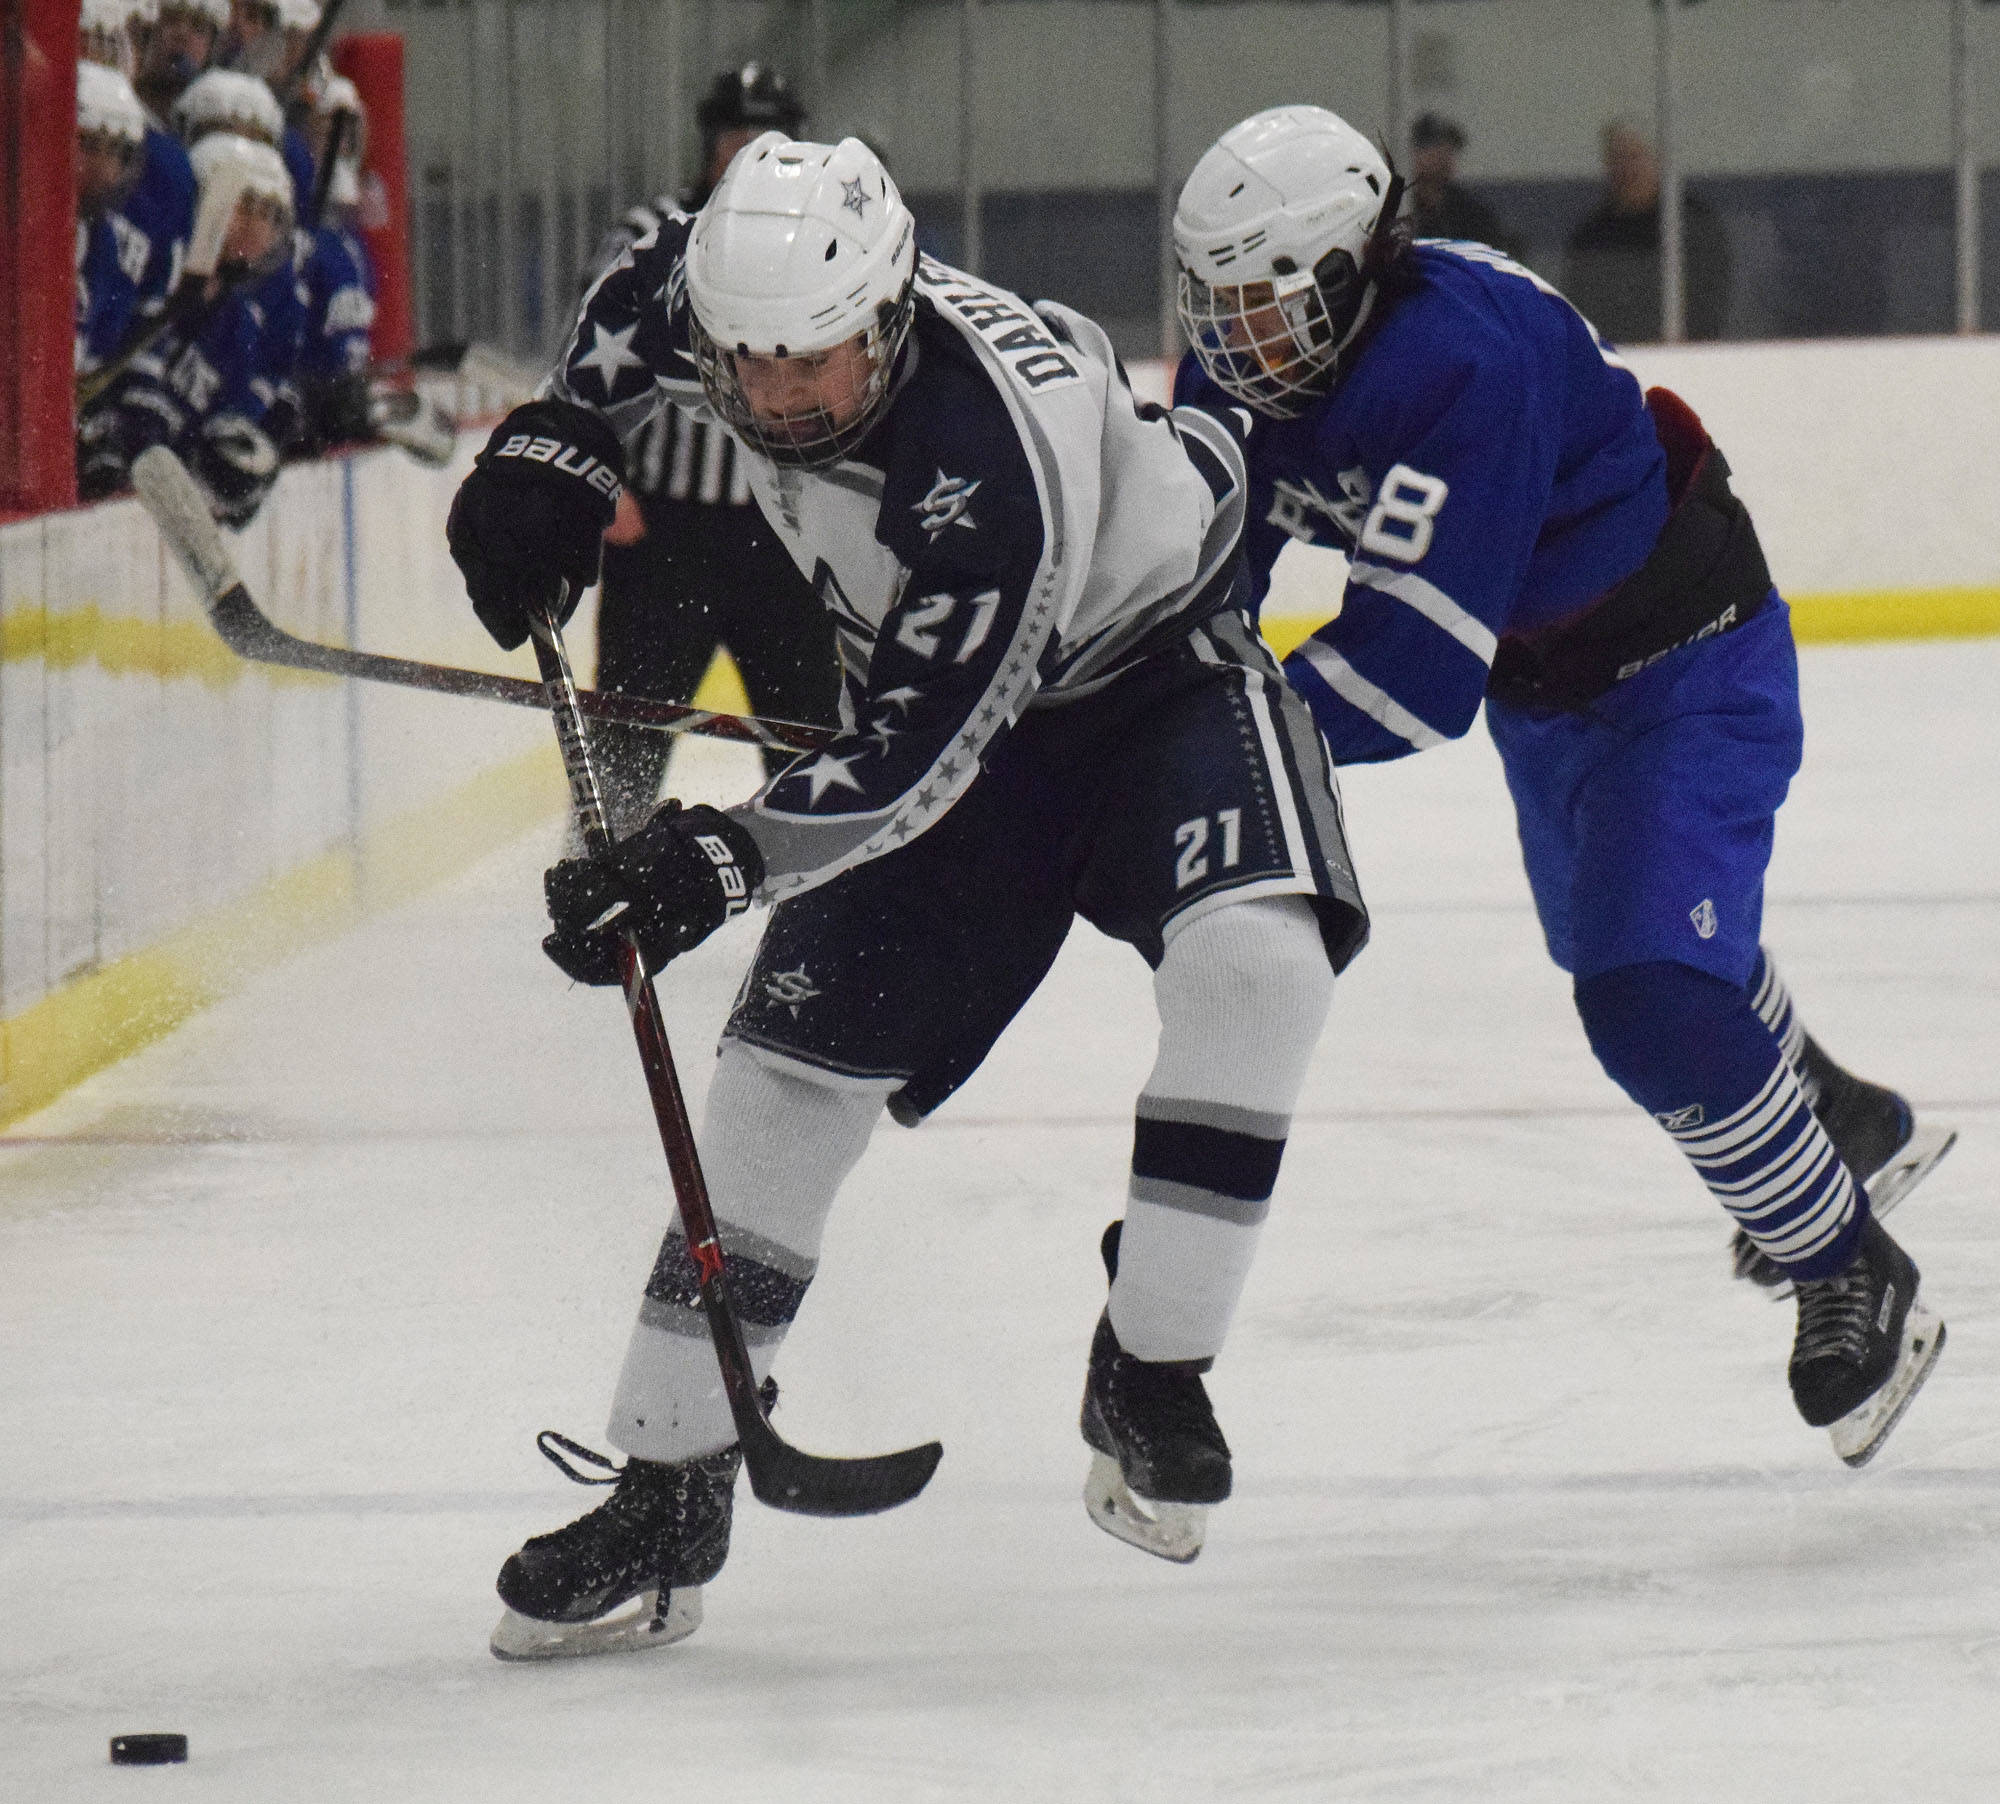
[809, 1484]
[180, 510]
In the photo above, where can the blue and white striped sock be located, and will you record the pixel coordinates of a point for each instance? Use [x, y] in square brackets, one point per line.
[1702, 1058]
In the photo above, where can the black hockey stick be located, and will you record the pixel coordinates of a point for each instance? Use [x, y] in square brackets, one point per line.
[780, 1474]
[178, 508]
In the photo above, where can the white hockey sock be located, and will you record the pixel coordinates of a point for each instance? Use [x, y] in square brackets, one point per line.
[776, 1142]
[1243, 994]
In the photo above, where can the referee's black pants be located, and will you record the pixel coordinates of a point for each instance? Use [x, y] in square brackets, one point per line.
[704, 576]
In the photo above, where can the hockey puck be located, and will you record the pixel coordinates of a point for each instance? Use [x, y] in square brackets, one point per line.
[148, 1750]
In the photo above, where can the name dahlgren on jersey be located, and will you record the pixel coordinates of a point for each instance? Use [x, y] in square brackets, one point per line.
[1018, 335]
[566, 458]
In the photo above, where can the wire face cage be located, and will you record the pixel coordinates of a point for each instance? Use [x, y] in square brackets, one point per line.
[1269, 344]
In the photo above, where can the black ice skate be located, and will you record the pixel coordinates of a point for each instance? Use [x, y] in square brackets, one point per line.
[1160, 1460]
[652, 1545]
[1864, 1346]
[1877, 1137]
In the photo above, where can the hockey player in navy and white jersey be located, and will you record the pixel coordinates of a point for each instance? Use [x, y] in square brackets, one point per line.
[1525, 528]
[690, 566]
[1052, 705]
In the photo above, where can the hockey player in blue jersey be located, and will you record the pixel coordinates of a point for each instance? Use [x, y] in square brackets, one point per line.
[1525, 528]
[209, 386]
[110, 153]
[155, 214]
[1052, 706]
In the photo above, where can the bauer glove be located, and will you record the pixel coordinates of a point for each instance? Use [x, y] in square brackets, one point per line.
[532, 513]
[673, 883]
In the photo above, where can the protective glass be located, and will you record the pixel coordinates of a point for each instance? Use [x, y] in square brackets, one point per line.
[836, 415]
[1270, 345]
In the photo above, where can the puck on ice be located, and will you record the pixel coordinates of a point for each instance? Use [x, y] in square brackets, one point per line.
[148, 1750]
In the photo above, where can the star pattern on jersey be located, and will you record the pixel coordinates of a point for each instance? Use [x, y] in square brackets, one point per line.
[610, 355]
[854, 198]
[828, 772]
[901, 698]
[882, 732]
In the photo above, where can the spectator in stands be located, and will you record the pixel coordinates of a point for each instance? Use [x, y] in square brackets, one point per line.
[1612, 276]
[1440, 205]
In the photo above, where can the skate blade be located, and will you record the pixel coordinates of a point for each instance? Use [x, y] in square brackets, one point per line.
[518, 1637]
[1911, 1165]
[1859, 1434]
[1916, 1160]
[1172, 1531]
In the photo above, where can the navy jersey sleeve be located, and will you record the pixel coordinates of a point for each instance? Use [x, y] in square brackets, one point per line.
[1454, 459]
[933, 690]
[628, 353]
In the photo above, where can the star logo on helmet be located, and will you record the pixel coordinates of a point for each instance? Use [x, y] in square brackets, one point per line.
[854, 198]
[611, 354]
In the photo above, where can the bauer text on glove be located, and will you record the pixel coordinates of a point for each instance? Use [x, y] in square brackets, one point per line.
[532, 512]
[673, 883]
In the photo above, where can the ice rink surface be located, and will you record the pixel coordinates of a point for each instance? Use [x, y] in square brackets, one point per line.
[1522, 1512]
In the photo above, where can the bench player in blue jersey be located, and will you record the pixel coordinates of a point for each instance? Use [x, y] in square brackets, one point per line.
[1524, 527]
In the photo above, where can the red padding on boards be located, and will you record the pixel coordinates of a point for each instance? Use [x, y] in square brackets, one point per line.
[373, 62]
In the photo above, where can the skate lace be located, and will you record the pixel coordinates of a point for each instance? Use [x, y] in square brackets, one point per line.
[1834, 1316]
[559, 1450]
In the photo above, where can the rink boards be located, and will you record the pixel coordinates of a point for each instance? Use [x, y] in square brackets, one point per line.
[172, 818]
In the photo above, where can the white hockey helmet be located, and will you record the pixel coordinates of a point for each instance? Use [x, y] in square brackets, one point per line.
[298, 15]
[1273, 232]
[227, 100]
[103, 35]
[107, 107]
[801, 248]
[230, 171]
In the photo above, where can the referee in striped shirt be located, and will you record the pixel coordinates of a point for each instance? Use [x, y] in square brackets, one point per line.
[689, 564]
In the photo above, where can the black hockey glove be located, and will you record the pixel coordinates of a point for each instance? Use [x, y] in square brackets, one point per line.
[533, 512]
[235, 461]
[674, 882]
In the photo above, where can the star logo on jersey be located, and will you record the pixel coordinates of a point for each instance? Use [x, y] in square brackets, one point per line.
[854, 198]
[901, 698]
[610, 354]
[791, 988]
[828, 772]
[945, 505]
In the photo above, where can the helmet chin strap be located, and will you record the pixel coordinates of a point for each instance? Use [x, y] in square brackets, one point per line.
[1375, 256]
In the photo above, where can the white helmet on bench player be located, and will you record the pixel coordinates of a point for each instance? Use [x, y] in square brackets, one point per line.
[1272, 233]
[804, 251]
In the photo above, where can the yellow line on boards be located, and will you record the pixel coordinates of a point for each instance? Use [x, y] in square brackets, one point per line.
[98, 1018]
[123, 645]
